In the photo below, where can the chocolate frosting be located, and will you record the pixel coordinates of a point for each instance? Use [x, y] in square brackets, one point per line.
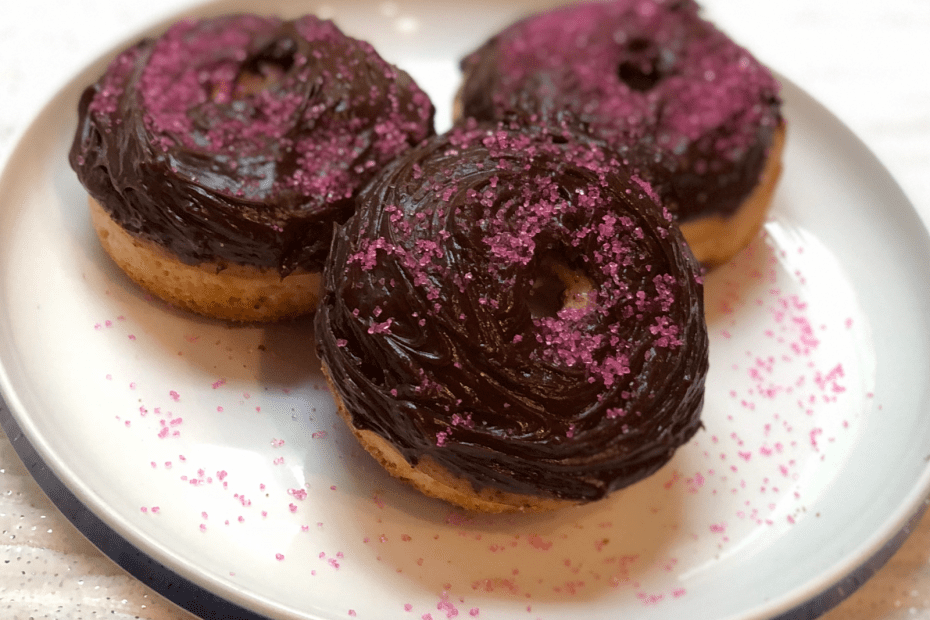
[651, 72]
[242, 139]
[444, 332]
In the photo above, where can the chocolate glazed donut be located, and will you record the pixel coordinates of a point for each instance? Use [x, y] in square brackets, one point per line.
[242, 139]
[511, 314]
[656, 74]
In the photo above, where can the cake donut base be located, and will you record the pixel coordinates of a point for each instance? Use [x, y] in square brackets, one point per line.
[714, 239]
[230, 292]
[435, 481]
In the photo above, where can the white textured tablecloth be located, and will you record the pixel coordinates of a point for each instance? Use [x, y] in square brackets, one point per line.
[864, 60]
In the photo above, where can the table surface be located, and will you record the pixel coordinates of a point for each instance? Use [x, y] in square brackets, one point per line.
[864, 60]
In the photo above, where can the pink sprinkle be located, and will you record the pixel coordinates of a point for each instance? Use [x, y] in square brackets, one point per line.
[174, 395]
[536, 541]
[813, 436]
[132, 337]
[447, 607]
[381, 328]
[156, 509]
[218, 384]
[650, 599]
[277, 443]
[407, 606]
[279, 556]
[615, 412]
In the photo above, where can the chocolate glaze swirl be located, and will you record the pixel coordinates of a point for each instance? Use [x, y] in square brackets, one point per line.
[442, 328]
[651, 72]
[243, 138]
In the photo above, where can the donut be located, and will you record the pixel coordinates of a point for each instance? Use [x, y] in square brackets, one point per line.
[653, 73]
[219, 156]
[510, 322]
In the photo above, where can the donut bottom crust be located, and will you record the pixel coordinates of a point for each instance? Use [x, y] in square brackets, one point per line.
[239, 293]
[715, 240]
[433, 480]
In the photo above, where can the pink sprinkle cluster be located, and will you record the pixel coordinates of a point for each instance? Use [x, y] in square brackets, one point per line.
[706, 89]
[216, 87]
[519, 206]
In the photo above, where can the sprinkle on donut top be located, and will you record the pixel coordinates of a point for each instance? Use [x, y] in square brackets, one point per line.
[248, 136]
[512, 305]
[638, 71]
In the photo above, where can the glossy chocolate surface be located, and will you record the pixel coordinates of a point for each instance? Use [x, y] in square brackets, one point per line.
[242, 139]
[447, 331]
[647, 72]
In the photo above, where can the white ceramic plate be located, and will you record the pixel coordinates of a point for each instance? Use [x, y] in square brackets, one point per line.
[207, 459]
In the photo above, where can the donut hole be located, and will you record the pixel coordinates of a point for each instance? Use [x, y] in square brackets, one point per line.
[557, 286]
[266, 67]
[641, 69]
